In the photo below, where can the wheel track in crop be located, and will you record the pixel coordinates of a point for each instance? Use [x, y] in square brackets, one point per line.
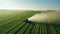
[26, 29]
[13, 28]
[56, 28]
[19, 29]
[31, 30]
[48, 29]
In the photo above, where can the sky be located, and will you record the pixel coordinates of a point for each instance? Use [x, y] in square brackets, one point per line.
[30, 4]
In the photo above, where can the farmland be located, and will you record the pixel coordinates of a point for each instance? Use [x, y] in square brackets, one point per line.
[11, 22]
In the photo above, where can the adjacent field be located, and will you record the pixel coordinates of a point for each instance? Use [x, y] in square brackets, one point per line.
[12, 23]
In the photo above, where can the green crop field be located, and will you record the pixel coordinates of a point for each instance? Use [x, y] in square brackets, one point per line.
[11, 22]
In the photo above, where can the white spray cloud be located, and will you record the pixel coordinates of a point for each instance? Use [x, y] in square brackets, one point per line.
[48, 17]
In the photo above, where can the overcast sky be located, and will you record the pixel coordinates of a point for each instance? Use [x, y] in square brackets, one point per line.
[30, 4]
